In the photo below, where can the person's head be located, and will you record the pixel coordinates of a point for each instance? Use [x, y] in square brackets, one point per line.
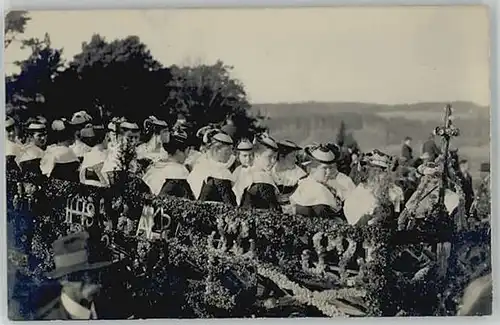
[10, 129]
[130, 133]
[37, 134]
[219, 146]
[175, 145]
[79, 120]
[464, 165]
[62, 132]
[245, 153]
[265, 152]
[407, 141]
[82, 287]
[287, 153]
[322, 163]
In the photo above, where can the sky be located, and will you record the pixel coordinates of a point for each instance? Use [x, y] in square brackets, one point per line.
[386, 55]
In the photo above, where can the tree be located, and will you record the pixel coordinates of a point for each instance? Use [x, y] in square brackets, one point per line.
[15, 23]
[27, 90]
[341, 134]
[116, 78]
[206, 94]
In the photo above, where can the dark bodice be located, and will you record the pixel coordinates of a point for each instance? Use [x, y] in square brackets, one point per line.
[176, 187]
[32, 166]
[66, 171]
[260, 196]
[218, 190]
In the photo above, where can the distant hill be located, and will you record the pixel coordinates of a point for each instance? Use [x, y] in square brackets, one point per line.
[379, 126]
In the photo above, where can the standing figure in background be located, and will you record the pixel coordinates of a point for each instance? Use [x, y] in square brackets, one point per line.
[256, 187]
[482, 204]
[407, 152]
[211, 179]
[286, 172]
[431, 148]
[466, 183]
[313, 198]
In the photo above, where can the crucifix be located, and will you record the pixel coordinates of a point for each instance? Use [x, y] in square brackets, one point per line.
[446, 132]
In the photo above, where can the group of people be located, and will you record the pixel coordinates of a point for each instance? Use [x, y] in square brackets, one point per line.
[209, 165]
[316, 181]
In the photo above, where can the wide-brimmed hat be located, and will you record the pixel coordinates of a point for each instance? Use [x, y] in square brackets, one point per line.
[429, 168]
[80, 118]
[129, 126]
[9, 122]
[154, 121]
[320, 153]
[377, 158]
[36, 127]
[71, 254]
[287, 146]
[222, 137]
[244, 145]
[265, 140]
[87, 131]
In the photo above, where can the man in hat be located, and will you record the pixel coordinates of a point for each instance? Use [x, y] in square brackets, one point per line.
[431, 148]
[407, 152]
[79, 277]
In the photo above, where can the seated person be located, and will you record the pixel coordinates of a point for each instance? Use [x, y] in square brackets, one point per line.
[60, 161]
[211, 179]
[168, 176]
[313, 198]
[286, 173]
[255, 187]
[245, 157]
[90, 170]
[31, 155]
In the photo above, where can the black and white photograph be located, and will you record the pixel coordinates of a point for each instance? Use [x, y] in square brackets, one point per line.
[248, 163]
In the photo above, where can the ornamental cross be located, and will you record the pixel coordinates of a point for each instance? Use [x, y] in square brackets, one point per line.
[446, 132]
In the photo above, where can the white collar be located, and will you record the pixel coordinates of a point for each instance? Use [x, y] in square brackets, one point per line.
[77, 311]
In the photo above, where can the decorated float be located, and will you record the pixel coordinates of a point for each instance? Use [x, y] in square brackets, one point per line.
[179, 258]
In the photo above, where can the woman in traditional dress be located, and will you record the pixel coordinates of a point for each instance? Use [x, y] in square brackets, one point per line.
[245, 157]
[374, 191]
[60, 161]
[79, 121]
[286, 172]
[128, 134]
[12, 148]
[338, 181]
[210, 179]
[93, 161]
[313, 198]
[256, 187]
[168, 176]
[152, 150]
[31, 155]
